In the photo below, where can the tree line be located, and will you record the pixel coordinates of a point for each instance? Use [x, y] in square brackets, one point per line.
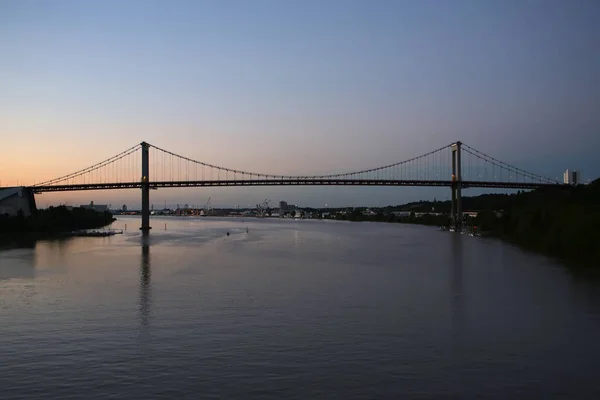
[562, 222]
[55, 219]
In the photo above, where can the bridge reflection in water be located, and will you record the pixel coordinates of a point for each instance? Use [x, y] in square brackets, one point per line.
[457, 291]
[145, 280]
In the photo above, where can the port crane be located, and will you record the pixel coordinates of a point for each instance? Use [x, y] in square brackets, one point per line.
[207, 208]
[263, 208]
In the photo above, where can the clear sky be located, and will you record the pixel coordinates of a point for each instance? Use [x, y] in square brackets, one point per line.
[294, 87]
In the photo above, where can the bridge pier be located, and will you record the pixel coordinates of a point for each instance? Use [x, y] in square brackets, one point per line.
[145, 187]
[456, 213]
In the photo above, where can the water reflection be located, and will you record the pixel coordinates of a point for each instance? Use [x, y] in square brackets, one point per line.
[457, 285]
[18, 261]
[145, 275]
[584, 289]
[296, 238]
[54, 252]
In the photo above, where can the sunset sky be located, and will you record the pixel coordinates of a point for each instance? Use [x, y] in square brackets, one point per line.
[295, 87]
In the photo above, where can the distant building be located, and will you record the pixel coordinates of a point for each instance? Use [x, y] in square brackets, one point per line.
[571, 177]
[13, 200]
[283, 207]
[124, 207]
[95, 207]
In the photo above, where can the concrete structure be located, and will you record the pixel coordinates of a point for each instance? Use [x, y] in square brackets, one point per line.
[17, 198]
[456, 212]
[571, 177]
[146, 187]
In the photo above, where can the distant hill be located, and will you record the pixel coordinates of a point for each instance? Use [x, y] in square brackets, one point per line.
[474, 203]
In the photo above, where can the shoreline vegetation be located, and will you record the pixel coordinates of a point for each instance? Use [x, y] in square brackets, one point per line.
[53, 222]
[564, 223]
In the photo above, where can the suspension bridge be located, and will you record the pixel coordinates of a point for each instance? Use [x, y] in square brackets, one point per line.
[147, 167]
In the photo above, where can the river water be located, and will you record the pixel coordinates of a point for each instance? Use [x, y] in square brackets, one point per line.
[292, 309]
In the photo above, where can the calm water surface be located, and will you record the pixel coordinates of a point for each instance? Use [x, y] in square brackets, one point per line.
[292, 309]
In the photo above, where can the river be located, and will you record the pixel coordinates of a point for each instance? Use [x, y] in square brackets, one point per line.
[292, 309]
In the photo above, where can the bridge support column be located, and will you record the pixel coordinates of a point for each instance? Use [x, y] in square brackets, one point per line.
[456, 213]
[145, 187]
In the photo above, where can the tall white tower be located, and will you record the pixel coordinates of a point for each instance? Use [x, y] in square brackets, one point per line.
[571, 177]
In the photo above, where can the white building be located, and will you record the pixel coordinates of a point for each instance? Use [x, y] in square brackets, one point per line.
[571, 177]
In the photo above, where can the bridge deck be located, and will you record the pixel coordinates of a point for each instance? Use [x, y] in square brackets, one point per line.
[295, 182]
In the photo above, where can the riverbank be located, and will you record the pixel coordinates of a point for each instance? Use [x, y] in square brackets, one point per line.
[53, 221]
[564, 224]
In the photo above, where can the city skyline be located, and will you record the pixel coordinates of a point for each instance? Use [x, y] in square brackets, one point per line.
[296, 88]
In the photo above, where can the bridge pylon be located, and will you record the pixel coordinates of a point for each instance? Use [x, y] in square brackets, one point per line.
[145, 183]
[456, 213]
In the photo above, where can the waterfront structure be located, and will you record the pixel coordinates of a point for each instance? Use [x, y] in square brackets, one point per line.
[96, 207]
[15, 199]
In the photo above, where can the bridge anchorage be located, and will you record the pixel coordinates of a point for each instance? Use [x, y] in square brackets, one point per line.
[148, 167]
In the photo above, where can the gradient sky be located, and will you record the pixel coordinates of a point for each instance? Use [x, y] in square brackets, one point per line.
[296, 87]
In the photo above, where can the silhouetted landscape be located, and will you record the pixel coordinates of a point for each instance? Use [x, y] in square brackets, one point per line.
[55, 220]
[562, 223]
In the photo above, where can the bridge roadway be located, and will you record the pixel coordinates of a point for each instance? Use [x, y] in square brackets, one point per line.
[294, 182]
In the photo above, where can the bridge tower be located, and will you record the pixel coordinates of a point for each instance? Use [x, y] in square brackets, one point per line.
[145, 187]
[456, 213]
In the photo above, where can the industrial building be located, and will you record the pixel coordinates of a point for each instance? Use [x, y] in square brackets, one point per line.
[95, 207]
[17, 198]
